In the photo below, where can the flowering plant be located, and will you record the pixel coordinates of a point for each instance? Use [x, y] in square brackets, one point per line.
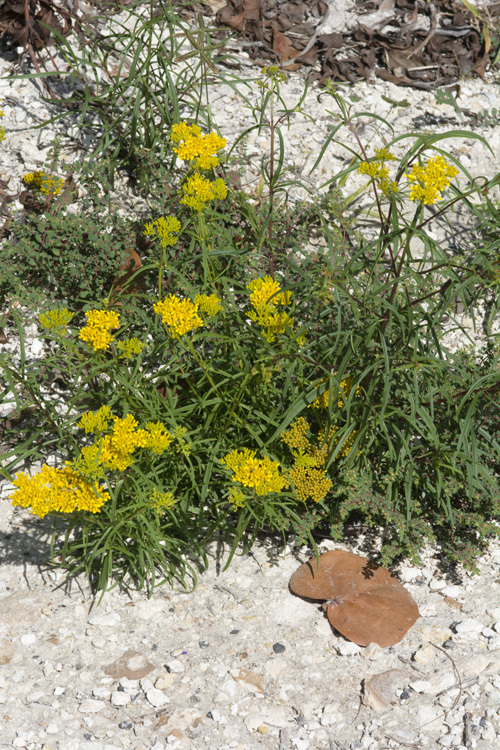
[249, 388]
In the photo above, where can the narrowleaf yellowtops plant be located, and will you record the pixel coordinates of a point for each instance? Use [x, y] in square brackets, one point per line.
[249, 385]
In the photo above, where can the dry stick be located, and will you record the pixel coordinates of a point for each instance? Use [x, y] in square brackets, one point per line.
[284, 744]
[459, 683]
[467, 730]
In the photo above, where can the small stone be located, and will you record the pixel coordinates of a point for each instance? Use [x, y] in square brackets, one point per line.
[132, 664]
[90, 706]
[175, 666]
[373, 651]
[214, 715]
[448, 740]
[437, 584]
[449, 644]
[494, 613]
[125, 725]
[158, 746]
[120, 698]
[404, 696]
[234, 632]
[496, 627]
[59, 690]
[425, 654]
[52, 729]
[98, 642]
[203, 644]
[254, 680]
[164, 681]
[300, 744]
[278, 648]
[347, 648]
[28, 640]
[452, 591]
[488, 633]
[262, 729]
[421, 686]
[469, 626]
[110, 620]
[157, 698]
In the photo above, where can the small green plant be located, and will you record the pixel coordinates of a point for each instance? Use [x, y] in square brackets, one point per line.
[261, 388]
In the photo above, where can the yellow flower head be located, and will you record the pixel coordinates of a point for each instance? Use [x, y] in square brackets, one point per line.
[195, 147]
[261, 474]
[161, 501]
[167, 228]
[209, 304]
[179, 314]
[157, 439]
[236, 497]
[265, 296]
[61, 490]
[198, 191]
[129, 348]
[430, 180]
[2, 129]
[323, 400]
[56, 320]
[117, 448]
[45, 183]
[378, 172]
[96, 331]
[95, 421]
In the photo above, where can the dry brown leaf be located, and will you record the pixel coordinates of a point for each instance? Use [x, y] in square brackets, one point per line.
[365, 602]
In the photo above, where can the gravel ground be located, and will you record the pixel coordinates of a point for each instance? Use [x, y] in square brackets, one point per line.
[241, 662]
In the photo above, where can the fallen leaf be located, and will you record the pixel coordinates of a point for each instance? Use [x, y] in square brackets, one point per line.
[365, 602]
[251, 679]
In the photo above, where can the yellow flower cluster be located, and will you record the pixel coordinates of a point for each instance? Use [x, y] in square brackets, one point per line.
[2, 129]
[130, 347]
[61, 490]
[323, 400]
[95, 421]
[307, 474]
[430, 180]
[265, 297]
[194, 146]
[157, 439]
[271, 73]
[261, 474]
[167, 228]
[161, 501]
[56, 320]
[198, 191]
[181, 315]
[209, 304]
[96, 331]
[379, 172]
[46, 184]
[236, 498]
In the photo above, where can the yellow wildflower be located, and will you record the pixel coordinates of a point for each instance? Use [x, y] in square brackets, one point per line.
[265, 295]
[117, 448]
[130, 347]
[2, 129]
[196, 147]
[45, 183]
[95, 421]
[96, 331]
[296, 435]
[261, 474]
[378, 172]
[158, 439]
[209, 304]
[166, 227]
[61, 490]
[322, 401]
[430, 180]
[56, 320]
[236, 497]
[161, 501]
[309, 482]
[198, 191]
[179, 314]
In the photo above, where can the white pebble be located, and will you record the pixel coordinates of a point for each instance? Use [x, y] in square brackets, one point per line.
[421, 686]
[52, 729]
[90, 706]
[120, 698]
[59, 690]
[105, 620]
[437, 584]
[175, 666]
[156, 697]
[470, 625]
[28, 640]
[346, 648]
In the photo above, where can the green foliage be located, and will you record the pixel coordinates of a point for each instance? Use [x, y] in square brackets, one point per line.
[300, 390]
